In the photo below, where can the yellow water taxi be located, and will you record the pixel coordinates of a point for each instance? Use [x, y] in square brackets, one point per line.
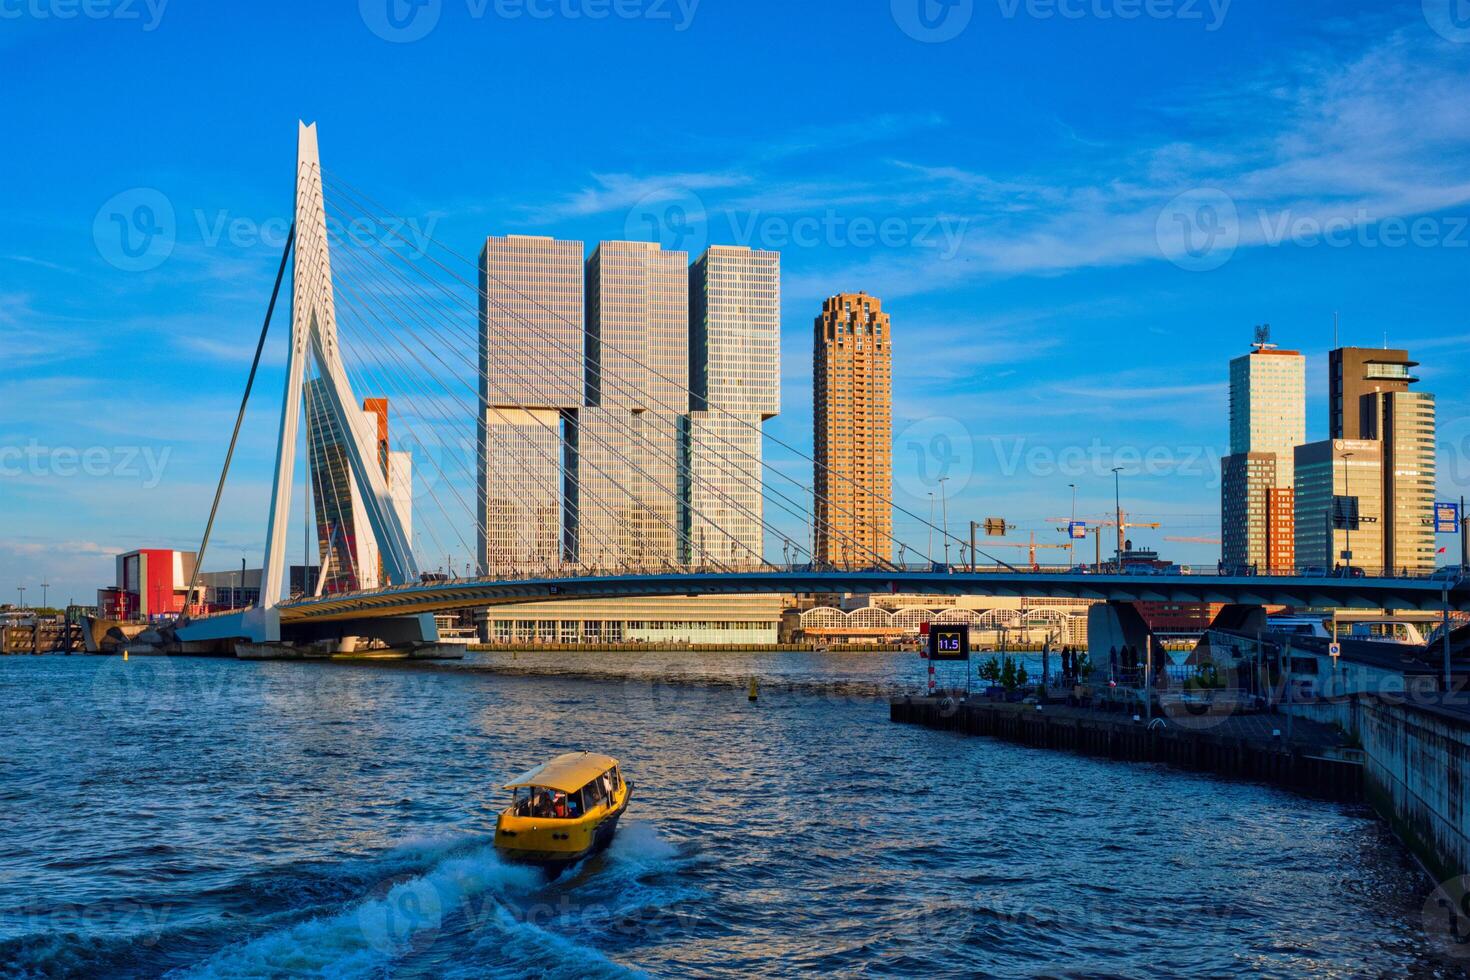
[562, 810]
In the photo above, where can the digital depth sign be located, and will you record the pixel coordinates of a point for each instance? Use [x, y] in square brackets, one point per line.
[949, 642]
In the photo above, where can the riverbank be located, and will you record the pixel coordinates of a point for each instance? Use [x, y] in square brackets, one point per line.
[1317, 759]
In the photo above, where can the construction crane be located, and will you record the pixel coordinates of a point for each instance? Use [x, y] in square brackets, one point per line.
[1095, 529]
[1031, 548]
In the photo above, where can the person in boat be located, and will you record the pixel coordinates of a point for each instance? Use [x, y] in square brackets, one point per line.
[559, 806]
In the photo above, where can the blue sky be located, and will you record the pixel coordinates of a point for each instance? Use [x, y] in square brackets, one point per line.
[1074, 211]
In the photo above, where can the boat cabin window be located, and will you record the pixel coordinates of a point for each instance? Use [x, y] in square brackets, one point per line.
[540, 801]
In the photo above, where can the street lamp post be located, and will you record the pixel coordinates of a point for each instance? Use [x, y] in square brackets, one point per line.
[929, 552]
[1118, 508]
[1071, 541]
[944, 507]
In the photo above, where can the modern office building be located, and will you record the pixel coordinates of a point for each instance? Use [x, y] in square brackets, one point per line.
[852, 415]
[735, 380]
[1340, 504]
[1268, 420]
[623, 501]
[531, 385]
[1370, 398]
[346, 545]
[1409, 481]
[1355, 376]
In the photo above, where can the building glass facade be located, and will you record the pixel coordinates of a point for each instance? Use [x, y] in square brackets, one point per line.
[624, 497]
[734, 372]
[1339, 504]
[346, 544]
[531, 385]
[1268, 420]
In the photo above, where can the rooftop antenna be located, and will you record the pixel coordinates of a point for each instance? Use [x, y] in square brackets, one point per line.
[1263, 337]
[1335, 343]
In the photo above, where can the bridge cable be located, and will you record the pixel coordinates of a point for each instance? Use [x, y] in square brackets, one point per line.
[793, 509]
[351, 191]
[764, 464]
[239, 419]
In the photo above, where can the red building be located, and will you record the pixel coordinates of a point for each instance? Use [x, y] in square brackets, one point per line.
[150, 583]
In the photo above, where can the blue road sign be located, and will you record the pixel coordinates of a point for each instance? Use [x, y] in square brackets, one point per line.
[1446, 518]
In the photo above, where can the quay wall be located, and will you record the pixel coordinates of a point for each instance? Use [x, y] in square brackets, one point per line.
[1416, 772]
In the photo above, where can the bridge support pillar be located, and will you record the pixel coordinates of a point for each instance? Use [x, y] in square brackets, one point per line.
[412, 637]
[1115, 626]
[1247, 619]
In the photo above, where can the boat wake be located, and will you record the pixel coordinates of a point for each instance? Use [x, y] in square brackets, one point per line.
[511, 916]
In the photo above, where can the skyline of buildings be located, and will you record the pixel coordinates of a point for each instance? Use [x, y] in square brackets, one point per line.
[621, 400]
[1364, 497]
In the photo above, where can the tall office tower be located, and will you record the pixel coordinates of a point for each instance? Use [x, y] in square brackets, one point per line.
[852, 413]
[624, 503]
[345, 542]
[735, 378]
[1408, 481]
[1339, 504]
[1370, 398]
[530, 388]
[1268, 420]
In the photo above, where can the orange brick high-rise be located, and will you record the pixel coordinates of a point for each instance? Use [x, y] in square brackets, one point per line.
[852, 392]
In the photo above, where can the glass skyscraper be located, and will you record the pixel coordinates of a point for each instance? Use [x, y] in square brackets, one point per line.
[735, 380]
[346, 545]
[531, 365]
[625, 490]
[1268, 420]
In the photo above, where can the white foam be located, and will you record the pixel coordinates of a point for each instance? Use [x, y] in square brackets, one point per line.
[361, 939]
[639, 842]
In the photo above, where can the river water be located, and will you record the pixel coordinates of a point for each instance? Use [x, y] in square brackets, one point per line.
[217, 818]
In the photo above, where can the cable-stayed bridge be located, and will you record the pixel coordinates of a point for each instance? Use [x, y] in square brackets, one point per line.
[582, 460]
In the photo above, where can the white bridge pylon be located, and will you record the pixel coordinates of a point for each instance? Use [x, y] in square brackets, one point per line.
[314, 335]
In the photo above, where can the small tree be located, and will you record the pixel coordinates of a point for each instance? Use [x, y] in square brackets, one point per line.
[1008, 674]
[1021, 676]
[990, 671]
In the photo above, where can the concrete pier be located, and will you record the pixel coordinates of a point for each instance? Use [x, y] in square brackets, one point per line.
[1317, 760]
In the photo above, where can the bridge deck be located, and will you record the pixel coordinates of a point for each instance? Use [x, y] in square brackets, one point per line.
[1361, 593]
